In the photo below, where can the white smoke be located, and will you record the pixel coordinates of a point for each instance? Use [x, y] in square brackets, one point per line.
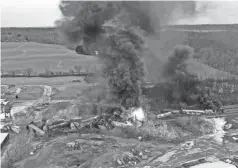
[218, 131]
[209, 12]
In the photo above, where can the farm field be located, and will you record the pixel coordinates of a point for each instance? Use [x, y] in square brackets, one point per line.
[17, 56]
[40, 57]
[31, 93]
[28, 93]
[54, 81]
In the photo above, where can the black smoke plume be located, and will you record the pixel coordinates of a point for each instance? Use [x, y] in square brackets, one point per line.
[116, 31]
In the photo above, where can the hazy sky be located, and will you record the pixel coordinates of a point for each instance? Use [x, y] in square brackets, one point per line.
[37, 13]
[213, 12]
[29, 13]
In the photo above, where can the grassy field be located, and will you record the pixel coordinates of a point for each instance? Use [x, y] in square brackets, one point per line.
[55, 81]
[40, 35]
[69, 91]
[28, 93]
[42, 57]
[63, 87]
[39, 57]
[31, 93]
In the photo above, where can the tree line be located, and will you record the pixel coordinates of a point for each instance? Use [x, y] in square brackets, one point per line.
[29, 72]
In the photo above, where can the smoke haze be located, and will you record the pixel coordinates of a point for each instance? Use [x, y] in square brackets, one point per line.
[209, 12]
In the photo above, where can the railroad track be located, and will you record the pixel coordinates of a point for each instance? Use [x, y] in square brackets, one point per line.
[230, 110]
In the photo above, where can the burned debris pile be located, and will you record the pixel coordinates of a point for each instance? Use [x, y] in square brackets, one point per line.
[105, 121]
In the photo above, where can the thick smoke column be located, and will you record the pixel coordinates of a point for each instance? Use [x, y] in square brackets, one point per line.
[148, 15]
[177, 61]
[116, 30]
[112, 30]
[184, 87]
[183, 84]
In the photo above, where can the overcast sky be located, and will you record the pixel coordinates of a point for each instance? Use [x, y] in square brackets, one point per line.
[41, 13]
[29, 13]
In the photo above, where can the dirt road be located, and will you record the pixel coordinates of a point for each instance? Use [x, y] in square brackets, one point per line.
[23, 106]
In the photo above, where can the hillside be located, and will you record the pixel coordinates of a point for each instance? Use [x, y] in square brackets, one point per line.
[161, 48]
[215, 47]
[17, 57]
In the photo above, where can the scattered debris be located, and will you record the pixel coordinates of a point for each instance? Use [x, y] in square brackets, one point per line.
[64, 124]
[165, 157]
[140, 138]
[5, 128]
[135, 115]
[234, 138]
[131, 158]
[15, 129]
[45, 128]
[228, 161]
[140, 154]
[71, 144]
[147, 151]
[119, 162]
[77, 119]
[227, 126]
[76, 124]
[188, 144]
[211, 159]
[37, 147]
[33, 127]
[54, 121]
[76, 80]
[129, 154]
[164, 115]
[72, 126]
[120, 124]
[144, 157]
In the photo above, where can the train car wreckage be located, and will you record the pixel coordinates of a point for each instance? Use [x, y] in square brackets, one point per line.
[118, 117]
[134, 117]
